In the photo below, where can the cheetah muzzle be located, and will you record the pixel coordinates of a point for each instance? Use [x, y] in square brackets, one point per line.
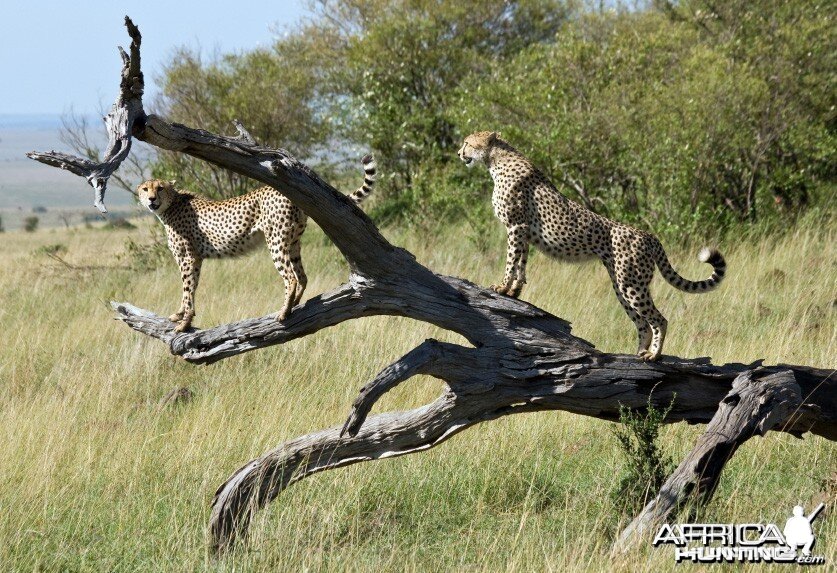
[198, 228]
[536, 213]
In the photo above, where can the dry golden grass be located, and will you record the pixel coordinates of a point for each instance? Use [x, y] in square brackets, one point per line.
[96, 477]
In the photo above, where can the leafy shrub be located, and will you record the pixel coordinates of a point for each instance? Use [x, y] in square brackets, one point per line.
[688, 117]
[646, 466]
[30, 224]
[119, 223]
[51, 250]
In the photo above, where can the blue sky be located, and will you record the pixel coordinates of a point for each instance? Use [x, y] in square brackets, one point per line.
[58, 55]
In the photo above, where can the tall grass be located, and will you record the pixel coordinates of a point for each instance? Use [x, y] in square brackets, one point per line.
[96, 477]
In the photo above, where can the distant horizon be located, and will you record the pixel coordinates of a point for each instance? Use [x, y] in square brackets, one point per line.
[41, 120]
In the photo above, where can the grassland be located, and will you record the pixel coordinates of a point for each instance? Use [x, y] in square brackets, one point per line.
[97, 477]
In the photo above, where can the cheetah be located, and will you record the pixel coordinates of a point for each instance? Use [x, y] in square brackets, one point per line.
[535, 212]
[198, 228]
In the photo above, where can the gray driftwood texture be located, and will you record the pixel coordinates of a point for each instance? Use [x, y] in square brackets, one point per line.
[119, 123]
[519, 358]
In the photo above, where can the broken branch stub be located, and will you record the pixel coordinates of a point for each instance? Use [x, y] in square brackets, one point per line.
[119, 123]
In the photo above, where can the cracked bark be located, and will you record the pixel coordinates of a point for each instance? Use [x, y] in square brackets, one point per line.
[520, 358]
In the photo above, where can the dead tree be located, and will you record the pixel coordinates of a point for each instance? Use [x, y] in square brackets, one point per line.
[519, 358]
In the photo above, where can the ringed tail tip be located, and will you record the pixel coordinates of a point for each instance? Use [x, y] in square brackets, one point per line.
[711, 256]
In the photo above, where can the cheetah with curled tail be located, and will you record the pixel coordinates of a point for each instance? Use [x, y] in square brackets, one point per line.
[198, 228]
[535, 212]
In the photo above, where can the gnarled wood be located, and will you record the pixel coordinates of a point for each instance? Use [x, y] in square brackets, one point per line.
[119, 122]
[521, 358]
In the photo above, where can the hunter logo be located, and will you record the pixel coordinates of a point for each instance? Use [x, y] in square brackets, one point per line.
[746, 542]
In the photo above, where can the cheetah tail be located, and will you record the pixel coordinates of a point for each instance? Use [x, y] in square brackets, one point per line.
[706, 255]
[370, 168]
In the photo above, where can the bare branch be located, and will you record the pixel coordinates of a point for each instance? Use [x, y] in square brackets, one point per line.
[413, 363]
[208, 346]
[119, 123]
[243, 134]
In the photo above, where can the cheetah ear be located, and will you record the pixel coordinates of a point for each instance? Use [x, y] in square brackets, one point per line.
[173, 182]
[492, 137]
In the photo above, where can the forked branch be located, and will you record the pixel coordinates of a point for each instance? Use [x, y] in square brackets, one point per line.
[756, 404]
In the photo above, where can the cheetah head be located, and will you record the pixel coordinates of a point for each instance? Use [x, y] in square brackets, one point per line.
[156, 195]
[476, 147]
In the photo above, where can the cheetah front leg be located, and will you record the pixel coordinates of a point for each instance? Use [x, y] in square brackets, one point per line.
[518, 252]
[190, 272]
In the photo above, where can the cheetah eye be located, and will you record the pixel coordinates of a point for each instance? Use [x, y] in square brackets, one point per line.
[159, 188]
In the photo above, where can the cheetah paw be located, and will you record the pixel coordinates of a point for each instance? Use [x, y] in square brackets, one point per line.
[499, 289]
[176, 317]
[648, 356]
[183, 326]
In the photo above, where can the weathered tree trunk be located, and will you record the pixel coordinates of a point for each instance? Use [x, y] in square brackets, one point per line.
[520, 358]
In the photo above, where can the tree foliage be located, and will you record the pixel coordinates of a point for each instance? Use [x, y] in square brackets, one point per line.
[678, 116]
[269, 91]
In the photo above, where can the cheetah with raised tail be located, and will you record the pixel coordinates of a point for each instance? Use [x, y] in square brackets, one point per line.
[534, 212]
[198, 228]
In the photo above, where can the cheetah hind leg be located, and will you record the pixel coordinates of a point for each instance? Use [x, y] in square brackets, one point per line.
[291, 288]
[658, 325]
[290, 295]
[499, 289]
[658, 330]
[298, 271]
[643, 329]
[515, 288]
[185, 322]
[505, 287]
[280, 251]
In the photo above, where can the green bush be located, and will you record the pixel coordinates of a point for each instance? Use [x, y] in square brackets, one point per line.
[30, 224]
[121, 223]
[646, 466]
[686, 118]
[659, 127]
[269, 91]
[51, 250]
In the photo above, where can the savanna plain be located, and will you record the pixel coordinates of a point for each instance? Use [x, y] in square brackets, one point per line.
[97, 476]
